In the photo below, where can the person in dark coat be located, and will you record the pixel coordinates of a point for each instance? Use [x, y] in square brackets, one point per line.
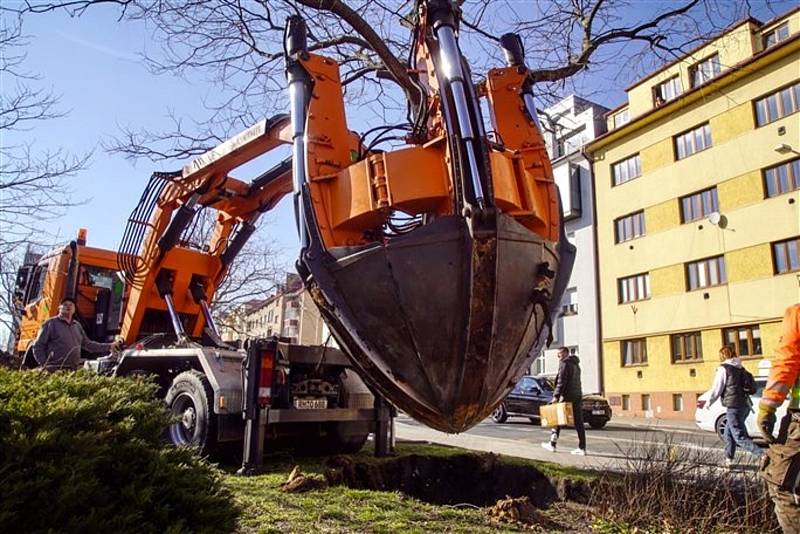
[568, 389]
[61, 338]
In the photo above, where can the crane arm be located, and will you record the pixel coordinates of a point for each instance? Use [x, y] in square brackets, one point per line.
[173, 280]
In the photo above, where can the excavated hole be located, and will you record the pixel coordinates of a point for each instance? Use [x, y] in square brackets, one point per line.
[478, 479]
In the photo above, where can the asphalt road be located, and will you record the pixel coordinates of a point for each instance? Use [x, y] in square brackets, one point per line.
[611, 447]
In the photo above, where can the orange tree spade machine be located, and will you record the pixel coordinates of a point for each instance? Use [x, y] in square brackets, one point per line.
[443, 312]
[437, 266]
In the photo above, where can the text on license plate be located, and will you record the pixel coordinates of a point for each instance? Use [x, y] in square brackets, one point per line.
[311, 404]
[598, 412]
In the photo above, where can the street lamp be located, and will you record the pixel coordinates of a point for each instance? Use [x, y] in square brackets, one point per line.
[783, 148]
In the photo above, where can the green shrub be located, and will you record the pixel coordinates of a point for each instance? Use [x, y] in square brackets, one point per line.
[85, 453]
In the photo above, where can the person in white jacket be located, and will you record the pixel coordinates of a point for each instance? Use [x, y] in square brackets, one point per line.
[731, 385]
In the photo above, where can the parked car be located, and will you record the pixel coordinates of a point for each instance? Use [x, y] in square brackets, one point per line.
[714, 419]
[531, 392]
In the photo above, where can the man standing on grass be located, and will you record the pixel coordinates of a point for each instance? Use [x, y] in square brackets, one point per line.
[61, 338]
[568, 389]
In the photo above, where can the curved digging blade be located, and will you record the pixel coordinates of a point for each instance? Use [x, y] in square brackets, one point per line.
[439, 322]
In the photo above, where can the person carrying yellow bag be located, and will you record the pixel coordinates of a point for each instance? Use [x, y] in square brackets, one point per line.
[781, 464]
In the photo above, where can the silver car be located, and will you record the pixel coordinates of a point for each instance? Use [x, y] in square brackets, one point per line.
[714, 418]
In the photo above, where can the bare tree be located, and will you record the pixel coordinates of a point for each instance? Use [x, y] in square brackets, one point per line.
[237, 46]
[34, 183]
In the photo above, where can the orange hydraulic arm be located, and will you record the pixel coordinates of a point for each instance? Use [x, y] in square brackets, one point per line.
[172, 280]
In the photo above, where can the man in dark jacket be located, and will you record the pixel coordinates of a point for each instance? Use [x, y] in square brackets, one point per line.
[61, 338]
[568, 389]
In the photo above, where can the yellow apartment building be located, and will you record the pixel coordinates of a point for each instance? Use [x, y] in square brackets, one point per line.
[697, 188]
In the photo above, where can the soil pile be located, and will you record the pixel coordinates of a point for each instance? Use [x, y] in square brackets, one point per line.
[519, 512]
[300, 483]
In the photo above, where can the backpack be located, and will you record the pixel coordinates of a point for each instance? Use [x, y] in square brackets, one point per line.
[748, 382]
[739, 385]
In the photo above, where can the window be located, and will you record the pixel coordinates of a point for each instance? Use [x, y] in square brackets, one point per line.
[744, 340]
[666, 91]
[693, 141]
[699, 205]
[646, 403]
[626, 402]
[572, 204]
[569, 303]
[782, 178]
[687, 347]
[37, 283]
[525, 384]
[629, 227]
[778, 104]
[634, 352]
[704, 70]
[622, 118]
[706, 273]
[634, 288]
[677, 402]
[97, 276]
[538, 365]
[626, 170]
[776, 35]
[786, 255]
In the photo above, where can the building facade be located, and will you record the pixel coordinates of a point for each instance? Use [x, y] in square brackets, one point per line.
[569, 126]
[289, 313]
[697, 188]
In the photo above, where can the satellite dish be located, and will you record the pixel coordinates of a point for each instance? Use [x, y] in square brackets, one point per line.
[714, 217]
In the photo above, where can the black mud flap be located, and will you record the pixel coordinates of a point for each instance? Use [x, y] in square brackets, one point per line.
[444, 320]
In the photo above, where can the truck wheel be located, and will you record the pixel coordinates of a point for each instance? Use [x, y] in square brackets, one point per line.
[189, 400]
[348, 437]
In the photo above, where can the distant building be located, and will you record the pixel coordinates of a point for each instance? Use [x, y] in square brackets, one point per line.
[697, 187]
[289, 313]
[569, 125]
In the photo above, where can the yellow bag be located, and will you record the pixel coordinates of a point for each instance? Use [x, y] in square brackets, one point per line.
[558, 414]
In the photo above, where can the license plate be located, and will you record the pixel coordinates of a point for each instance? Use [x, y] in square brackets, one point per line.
[311, 404]
[598, 412]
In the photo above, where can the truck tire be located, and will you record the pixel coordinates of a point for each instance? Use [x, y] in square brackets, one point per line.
[190, 400]
[348, 437]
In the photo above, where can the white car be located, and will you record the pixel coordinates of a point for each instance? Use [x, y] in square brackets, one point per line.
[714, 418]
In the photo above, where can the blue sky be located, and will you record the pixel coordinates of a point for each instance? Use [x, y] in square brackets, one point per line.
[93, 63]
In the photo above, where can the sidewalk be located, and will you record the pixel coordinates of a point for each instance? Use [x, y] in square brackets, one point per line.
[653, 423]
[520, 448]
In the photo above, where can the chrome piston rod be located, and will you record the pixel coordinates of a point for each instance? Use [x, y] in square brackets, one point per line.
[176, 320]
[299, 95]
[451, 60]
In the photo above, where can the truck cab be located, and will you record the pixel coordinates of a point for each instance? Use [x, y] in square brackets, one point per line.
[87, 274]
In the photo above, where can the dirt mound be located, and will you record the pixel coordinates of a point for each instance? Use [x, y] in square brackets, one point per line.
[300, 483]
[519, 512]
[478, 479]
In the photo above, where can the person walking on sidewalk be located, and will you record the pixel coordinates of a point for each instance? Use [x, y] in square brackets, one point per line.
[568, 389]
[734, 384]
[781, 467]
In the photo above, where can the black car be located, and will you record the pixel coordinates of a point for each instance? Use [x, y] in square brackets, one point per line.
[531, 392]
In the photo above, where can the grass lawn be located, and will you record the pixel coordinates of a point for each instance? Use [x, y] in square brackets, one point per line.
[265, 508]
